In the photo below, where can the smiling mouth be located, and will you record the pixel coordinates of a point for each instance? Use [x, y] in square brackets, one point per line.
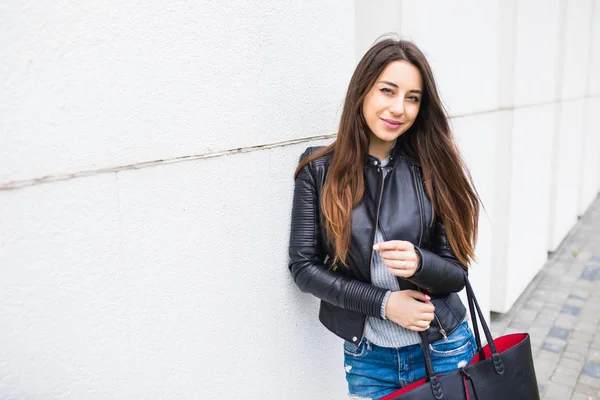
[390, 123]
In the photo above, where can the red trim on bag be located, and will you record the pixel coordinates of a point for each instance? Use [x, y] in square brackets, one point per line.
[502, 344]
[405, 389]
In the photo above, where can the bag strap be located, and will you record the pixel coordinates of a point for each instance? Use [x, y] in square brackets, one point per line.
[436, 387]
[475, 312]
[498, 364]
[472, 312]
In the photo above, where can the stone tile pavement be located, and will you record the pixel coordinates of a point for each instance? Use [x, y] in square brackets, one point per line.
[561, 311]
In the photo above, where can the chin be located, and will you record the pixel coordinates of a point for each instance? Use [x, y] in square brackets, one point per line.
[388, 136]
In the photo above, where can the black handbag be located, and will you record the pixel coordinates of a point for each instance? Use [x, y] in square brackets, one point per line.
[502, 370]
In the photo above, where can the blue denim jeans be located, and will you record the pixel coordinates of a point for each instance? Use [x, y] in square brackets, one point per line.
[373, 372]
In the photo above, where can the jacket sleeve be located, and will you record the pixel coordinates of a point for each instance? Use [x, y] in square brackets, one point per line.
[440, 272]
[306, 258]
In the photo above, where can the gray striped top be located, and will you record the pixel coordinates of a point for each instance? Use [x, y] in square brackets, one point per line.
[386, 333]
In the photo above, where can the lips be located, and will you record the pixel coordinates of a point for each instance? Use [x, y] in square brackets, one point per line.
[391, 124]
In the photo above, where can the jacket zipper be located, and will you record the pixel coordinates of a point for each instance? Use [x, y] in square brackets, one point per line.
[420, 203]
[432, 215]
[377, 214]
[442, 331]
[373, 239]
[432, 210]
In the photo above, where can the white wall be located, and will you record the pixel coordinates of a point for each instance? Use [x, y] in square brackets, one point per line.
[146, 177]
[169, 281]
[569, 134]
[114, 84]
[529, 202]
[593, 89]
[532, 138]
[551, 143]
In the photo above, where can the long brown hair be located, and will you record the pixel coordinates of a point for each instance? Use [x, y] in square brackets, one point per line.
[428, 143]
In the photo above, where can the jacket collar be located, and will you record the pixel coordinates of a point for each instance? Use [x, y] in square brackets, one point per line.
[395, 152]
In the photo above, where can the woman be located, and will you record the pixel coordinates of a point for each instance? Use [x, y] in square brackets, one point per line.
[384, 224]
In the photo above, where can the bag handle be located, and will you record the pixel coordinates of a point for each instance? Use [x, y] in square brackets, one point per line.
[436, 387]
[475, 312]
[472, 300]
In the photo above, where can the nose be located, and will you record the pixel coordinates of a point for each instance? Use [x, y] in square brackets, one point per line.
[397, 107]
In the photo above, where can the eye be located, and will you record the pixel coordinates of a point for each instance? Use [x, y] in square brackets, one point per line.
[414, 99]
[387, 90]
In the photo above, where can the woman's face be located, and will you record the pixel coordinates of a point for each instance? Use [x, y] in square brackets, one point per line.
[392, 104]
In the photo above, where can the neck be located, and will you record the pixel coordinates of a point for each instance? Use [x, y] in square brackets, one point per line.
[379, 148]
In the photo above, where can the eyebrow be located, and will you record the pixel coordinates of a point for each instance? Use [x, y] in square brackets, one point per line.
[396, 86]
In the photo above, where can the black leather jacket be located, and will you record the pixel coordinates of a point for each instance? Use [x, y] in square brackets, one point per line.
[347, 296]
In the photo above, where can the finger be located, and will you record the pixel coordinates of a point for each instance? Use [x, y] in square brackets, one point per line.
[417, 295]
[401, 272]
[417, 328]
[388, 245]
[426, 307]
[422, 324]
[400, 264]
[427, 316]
[393, 245]
[398, 255]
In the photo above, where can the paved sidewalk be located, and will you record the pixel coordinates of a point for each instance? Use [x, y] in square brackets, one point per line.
[561, 311]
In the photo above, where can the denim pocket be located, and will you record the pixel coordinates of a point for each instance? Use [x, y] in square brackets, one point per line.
[355, 350]
[458, 342]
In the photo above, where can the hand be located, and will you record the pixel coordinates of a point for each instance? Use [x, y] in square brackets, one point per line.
[410, 309]
[400, 257]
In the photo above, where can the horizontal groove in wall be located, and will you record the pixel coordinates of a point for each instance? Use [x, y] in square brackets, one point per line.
[522, 106]
[19, 184]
